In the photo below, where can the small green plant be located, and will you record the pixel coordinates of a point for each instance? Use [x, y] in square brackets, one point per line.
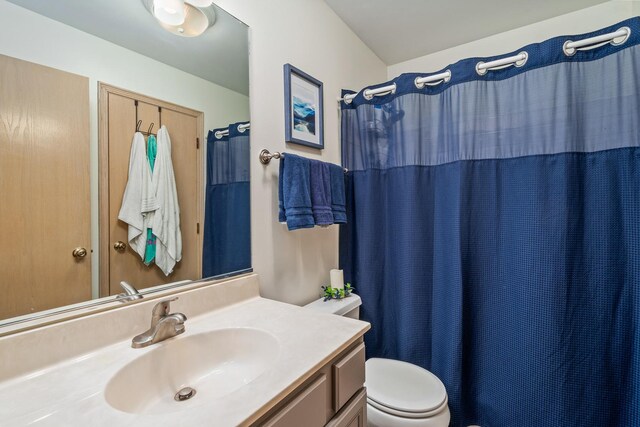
[330, 293]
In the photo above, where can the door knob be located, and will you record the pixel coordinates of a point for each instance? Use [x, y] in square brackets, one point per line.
[79, 253]
[120, 246]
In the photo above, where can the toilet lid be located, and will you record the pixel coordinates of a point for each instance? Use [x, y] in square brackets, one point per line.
[403, 387]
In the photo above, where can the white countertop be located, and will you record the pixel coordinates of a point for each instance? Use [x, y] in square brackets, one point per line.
[71, 393]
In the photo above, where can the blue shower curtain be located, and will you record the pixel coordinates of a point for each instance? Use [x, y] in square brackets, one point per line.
[494, 233]
[227, 228]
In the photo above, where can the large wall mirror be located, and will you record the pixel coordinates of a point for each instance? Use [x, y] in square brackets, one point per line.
[124, 150]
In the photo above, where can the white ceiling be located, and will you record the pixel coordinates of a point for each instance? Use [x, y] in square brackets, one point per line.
[220, 55]
[399, 30]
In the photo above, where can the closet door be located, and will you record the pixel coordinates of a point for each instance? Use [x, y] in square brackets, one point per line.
[44, 185]
[119, 261]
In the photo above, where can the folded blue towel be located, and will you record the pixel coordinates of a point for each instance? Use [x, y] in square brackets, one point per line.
[338, 198]
[310, 193]
[282, 216]
[320, 180]
[294, 192]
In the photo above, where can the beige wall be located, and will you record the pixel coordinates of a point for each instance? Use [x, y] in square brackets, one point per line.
[307, 34]
[581, 21]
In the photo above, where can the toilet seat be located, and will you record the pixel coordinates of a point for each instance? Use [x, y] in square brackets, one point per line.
[403, 389]
[402, 414]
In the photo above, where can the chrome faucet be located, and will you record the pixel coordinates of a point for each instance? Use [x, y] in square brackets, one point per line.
[130, 293]
[163, 325]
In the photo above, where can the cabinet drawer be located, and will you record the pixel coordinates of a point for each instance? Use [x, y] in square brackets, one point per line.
[307, 409]
[348, 376]
[353, 414]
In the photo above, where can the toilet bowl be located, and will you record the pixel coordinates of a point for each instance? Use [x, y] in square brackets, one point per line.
[399, 394]
[402, 394]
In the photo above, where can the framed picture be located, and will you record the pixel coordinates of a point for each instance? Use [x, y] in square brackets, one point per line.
[304, 113]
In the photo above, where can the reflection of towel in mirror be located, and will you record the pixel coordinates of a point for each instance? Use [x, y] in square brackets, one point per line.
[139, 199]
[152, 152]
[165, 221]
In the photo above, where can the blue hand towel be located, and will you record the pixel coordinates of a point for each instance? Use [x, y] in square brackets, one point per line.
[282, 216]
[294, 195]
[338, 198]
[320, 180]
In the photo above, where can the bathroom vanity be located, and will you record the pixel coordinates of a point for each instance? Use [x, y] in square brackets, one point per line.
[249, 361]
[334, 396]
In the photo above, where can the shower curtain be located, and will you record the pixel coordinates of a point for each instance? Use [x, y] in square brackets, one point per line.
[494, 233]
[227, 228]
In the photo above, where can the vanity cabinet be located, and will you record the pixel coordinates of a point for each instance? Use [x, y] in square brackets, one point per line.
[334, 396]
[353, 414]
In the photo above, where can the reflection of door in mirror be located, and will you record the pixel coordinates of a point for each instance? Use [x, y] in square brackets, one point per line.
[120, 110]
[45, 223]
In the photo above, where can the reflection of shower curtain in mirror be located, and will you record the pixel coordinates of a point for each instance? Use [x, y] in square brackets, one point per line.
[227, 238]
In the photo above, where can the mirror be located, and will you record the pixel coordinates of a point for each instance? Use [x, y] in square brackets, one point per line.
[124, 150]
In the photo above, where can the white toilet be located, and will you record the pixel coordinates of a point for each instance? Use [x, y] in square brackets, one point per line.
[399, 394]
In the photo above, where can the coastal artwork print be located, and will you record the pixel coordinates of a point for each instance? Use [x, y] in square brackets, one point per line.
[304, 115]
[303, 100]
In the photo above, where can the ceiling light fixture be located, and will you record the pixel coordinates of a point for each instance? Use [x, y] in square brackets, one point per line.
[170, 12]
[195, 20]
[200, 3]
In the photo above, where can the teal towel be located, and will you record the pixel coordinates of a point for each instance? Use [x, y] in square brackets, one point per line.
[150, 250]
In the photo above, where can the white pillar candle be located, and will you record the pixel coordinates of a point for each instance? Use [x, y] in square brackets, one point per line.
[337, 279]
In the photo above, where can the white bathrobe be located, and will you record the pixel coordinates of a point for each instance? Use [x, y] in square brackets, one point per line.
[139, 200]
[165, 221]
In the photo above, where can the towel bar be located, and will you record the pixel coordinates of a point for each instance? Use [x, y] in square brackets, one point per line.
[265, 157]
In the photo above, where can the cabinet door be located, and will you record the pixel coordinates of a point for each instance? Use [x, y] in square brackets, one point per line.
[307, 409]
[348, 376]
[353, 414]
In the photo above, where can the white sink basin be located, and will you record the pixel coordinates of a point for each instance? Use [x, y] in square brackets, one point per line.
[214, 363]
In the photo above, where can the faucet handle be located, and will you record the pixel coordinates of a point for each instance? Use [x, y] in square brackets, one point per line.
[128, 288]
[130, 293]
[161, 309]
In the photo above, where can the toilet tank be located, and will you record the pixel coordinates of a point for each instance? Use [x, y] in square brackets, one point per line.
[348, 307]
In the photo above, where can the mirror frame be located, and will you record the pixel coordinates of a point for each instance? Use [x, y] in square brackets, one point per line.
[60, 314]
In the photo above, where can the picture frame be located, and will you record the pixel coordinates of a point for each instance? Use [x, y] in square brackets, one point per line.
[304, 108]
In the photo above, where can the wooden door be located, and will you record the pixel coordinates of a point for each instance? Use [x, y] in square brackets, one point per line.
[44, 188]
[118, 123]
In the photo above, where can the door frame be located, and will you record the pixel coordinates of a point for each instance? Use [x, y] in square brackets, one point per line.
[103, 173]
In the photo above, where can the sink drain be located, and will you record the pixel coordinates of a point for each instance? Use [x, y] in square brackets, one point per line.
[185, 393]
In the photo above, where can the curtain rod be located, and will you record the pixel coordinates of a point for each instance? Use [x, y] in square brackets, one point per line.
[241, 128]
[569, 48]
